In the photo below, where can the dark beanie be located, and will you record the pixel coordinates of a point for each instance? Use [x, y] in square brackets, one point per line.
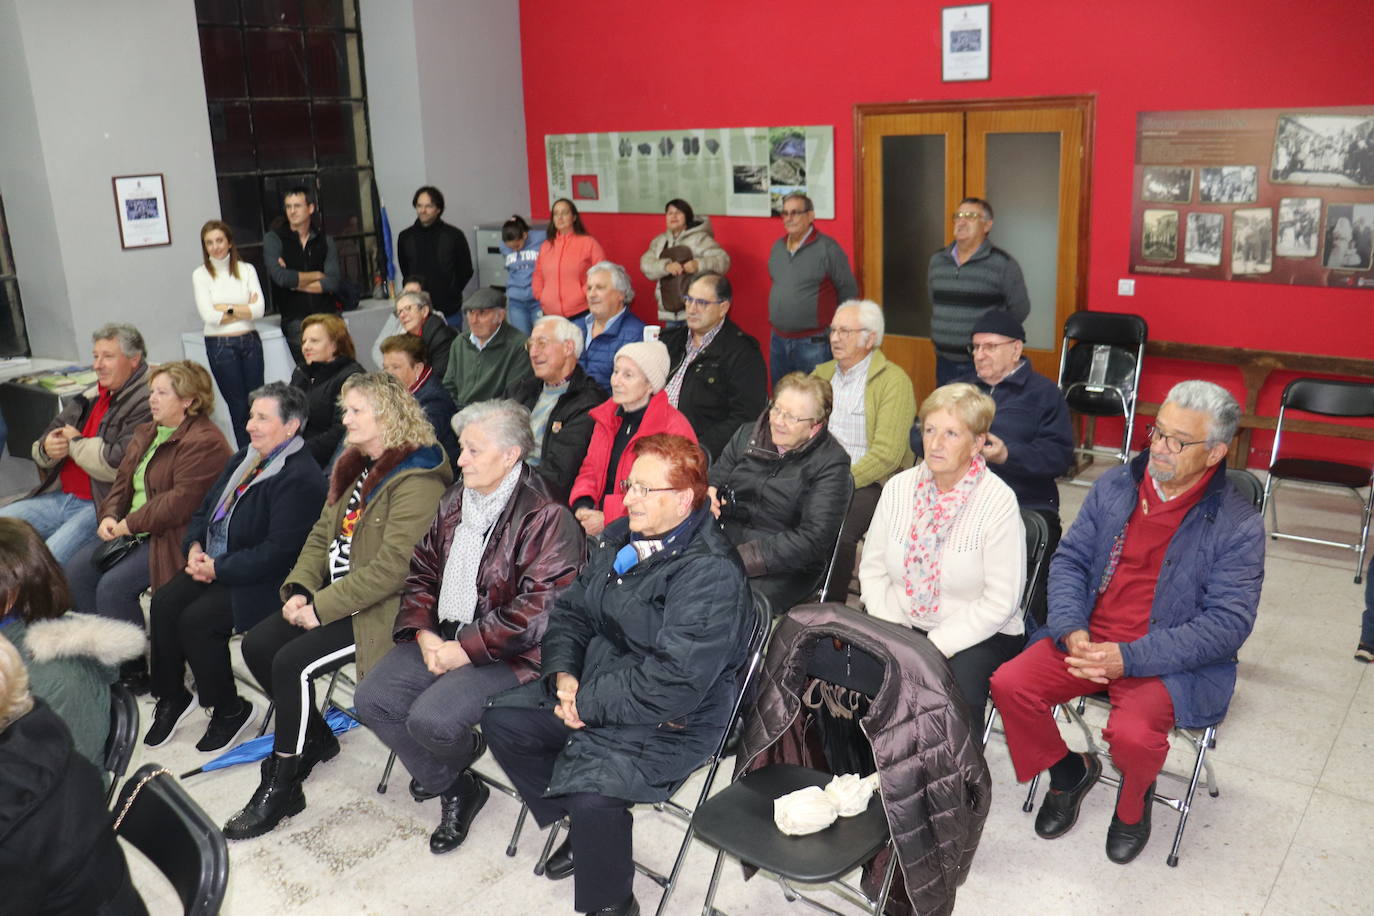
[996, 321]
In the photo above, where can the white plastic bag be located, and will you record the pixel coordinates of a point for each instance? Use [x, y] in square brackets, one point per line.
[804, 811]
[850, 794]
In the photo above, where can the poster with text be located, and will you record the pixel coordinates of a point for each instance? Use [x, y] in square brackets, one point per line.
[738, 171]
[1257, 195]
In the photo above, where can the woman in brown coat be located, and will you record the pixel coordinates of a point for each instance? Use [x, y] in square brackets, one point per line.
[167, 467]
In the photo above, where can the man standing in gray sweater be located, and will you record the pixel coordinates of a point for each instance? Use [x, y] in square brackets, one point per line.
[967, 279]
[811, 277]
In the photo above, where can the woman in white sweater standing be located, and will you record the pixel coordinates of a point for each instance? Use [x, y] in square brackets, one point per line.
[946, 552]
[228, 298]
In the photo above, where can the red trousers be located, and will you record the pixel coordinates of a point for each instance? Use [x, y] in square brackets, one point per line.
[1026, 690]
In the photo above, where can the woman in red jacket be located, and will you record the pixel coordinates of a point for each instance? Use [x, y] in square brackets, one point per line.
[638, 407]
[561, 271]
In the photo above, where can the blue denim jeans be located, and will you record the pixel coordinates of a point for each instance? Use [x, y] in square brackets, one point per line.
[113, 593]
[799, 354]
[66, 522]
[236, 363]
[523, 314]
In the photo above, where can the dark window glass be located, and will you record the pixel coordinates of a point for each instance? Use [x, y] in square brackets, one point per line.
[14, 340]
[333, 59]
[341, 195]
[282, 130]
[221, 58]
[328, 14]
[276, 64]
[272, 12]
[231, 135]
[217, 12]
[340, 133]
[240, 207]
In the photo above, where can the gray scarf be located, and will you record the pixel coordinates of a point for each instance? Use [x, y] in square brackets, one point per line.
[458, 592]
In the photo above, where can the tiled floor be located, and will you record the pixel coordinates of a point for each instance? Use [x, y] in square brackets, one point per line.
[1288, 834]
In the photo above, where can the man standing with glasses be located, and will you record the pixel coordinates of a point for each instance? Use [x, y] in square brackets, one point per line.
[811, 275]
[1152, 593]
[874, 406]
[716, 376]
[970, 277]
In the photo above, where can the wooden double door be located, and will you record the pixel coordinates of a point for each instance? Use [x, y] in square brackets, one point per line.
[1029, 158]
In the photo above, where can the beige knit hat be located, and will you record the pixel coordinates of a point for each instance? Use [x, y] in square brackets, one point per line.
[651, 357]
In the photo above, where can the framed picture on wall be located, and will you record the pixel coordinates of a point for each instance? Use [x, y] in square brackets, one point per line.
[141, 210]
[964, 42]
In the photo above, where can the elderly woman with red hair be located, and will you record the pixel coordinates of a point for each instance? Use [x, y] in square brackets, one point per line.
[639, 673]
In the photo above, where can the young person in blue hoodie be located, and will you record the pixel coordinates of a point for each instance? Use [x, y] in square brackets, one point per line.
[520, 247]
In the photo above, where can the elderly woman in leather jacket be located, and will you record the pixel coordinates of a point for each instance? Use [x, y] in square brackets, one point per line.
[639, 673]
[473, 608]
[781, 489]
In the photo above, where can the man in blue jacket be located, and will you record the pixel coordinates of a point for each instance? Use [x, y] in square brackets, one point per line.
[1152, 592]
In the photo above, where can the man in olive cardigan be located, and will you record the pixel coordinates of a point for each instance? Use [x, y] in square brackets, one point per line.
[874, 406]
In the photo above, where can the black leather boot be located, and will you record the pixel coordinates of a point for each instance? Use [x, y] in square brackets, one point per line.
[458, 805]
[279, 795]
[320, 746]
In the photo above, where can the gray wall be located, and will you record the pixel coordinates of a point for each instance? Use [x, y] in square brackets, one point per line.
[123, 94]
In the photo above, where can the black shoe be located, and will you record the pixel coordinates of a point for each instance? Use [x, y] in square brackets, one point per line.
[133, 674]
[278, 796]
[1364, 653]
[1059, 810]
[560, 862]
[458, 806]
[319, 748]
[1125, 841]
[167, 715]
[421, 794]
[627, 907]
[225, 730]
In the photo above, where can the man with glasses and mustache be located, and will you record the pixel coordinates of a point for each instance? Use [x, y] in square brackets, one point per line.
[811, 276]
[970, 277]
[716, 376]
[1152, 593]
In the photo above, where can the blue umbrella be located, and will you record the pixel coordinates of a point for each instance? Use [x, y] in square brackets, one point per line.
[388, 251]
[255, 749]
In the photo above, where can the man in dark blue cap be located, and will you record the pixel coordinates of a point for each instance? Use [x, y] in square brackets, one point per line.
[1031, 440]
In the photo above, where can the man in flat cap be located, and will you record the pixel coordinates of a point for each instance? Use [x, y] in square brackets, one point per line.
[483, 364]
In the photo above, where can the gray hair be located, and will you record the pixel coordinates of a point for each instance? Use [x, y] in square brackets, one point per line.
[619, 278]
[798, 195]
[419, 296]
[291, 402]
[563, 330]
[130, 341]
[1223, 413]
[506, 421]
[870, 318]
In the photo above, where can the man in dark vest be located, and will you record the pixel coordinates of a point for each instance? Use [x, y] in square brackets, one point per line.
[304, 266]
[437, 251]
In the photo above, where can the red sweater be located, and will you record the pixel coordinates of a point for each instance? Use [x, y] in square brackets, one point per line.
[1122, 613]
[560, 274]
[659, 417]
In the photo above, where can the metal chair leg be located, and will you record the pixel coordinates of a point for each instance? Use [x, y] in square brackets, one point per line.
[511, 847]
[709, 909]
[1186, 803]
[386, 774]
[548, 847]
[267, 718]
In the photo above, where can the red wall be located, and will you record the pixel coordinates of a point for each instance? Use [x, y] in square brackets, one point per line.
[619, 65]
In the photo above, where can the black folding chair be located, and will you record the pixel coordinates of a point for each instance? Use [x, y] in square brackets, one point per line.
[1331, 398]
[123, 737]
[166, 825]
[739, 819]
[823, 588]
[763, 626]
[1248, 485]
[1099, 371]
[1037, 577]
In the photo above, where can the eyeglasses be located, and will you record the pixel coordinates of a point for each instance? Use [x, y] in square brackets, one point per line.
[790, 213]
[639, 490]
[539, 343]
[970, 215]
[777, 413]
[844, 332]
[1172, 444]
[694, 302]
[406, 310]
[975, 349]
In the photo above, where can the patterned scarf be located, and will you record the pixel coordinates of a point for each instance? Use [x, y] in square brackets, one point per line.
[934, 516]
[458, 592]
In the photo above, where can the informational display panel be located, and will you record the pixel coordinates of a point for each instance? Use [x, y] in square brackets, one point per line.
[736, 171]
[1262, 195]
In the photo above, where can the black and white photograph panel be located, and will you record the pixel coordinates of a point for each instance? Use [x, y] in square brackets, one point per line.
[1202, 240]
[1300, 220]
[1252, 241]
[1229, 184]
[1349, 236]
[1331, 150]
[1159, 235]
[1167, 184]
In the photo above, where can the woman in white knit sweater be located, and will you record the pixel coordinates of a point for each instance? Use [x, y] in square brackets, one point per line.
[228, 298]
[946, 552]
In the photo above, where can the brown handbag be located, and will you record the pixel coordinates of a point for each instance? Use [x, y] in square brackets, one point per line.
[672, 289]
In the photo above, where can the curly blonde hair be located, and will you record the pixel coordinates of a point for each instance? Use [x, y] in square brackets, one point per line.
[400, 416]
[15, 699]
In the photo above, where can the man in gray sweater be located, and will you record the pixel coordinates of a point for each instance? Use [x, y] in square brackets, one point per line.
[967, 279]
[811, 277]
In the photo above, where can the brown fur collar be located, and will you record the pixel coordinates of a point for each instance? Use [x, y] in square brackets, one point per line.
[351, 463]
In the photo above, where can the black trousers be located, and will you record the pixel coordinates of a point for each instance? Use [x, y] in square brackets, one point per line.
[856, 523]
[191, 623]
[526, 742]
[286, 659]
[972, 669]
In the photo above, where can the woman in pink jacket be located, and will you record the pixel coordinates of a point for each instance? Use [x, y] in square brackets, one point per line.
[561, 271]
